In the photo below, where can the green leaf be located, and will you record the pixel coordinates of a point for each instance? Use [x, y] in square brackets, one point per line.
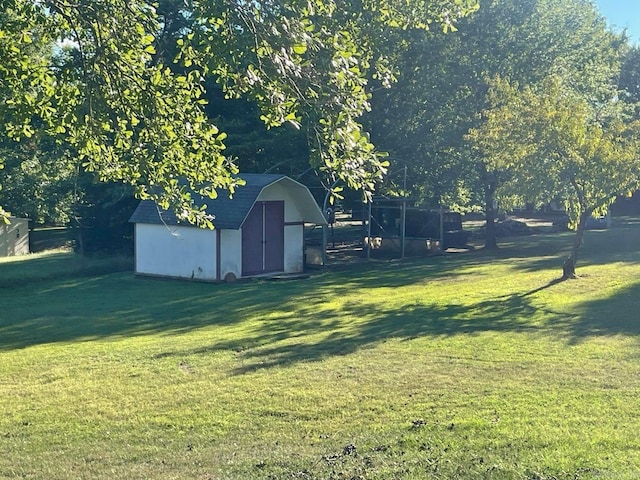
[300, 48]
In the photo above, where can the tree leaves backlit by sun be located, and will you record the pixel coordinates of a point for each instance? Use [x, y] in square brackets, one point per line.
[88, 74]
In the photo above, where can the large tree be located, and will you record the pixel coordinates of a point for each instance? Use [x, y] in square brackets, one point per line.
[630, 75]
[446, 82]
[310, 63]
[39, 180]
[558, 143]
[130, 119]
[137, 119]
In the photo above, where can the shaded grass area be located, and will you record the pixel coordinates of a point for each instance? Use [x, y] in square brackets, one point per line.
[477, 365]
[49, 238]
[57, 264]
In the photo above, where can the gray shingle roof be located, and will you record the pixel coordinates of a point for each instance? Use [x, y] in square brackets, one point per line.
[229, 212]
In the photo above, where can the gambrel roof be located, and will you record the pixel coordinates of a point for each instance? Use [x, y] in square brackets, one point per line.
[230, 213]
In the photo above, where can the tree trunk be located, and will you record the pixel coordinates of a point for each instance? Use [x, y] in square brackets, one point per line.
[491, 241]
[569, 267]
[79, 241]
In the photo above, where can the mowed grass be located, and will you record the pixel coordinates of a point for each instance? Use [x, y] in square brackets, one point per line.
[57, 264]
[464, 366]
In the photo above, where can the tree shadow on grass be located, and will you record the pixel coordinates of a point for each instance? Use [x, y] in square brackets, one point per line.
[120, 305]
[275, 313]
[612, 316]
[617, 244]
[86, 307]
[510, 313]
[550, 284]
[374, 325]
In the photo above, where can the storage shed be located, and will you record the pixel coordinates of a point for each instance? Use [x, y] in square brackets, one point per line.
[14, 237]
[258, 231]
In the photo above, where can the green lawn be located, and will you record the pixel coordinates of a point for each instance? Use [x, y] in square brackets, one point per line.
[464, 366]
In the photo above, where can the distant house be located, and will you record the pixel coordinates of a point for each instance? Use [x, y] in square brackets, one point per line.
[258, 231]
[14, 237]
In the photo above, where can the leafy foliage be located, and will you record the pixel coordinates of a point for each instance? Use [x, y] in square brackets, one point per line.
[129, 118]
[442, 88]
[629, 81]
[558, 145]
[310, 63]
[92, 74]
[39, 180]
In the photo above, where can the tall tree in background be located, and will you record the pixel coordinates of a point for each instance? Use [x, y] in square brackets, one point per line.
[629, 81]
[250, 144]
[558, 143]
[38, 180]
[447, 84]
[309, 64]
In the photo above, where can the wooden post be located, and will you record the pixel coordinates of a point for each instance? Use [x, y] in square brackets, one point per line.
[369, 231]
[403, 224]
[441, 228]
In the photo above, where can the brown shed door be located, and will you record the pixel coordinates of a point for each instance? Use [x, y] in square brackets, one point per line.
[263, 239]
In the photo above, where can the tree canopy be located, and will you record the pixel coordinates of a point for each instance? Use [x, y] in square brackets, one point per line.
[444, 81]
[90, 75]
[557, 145]
[97, 88]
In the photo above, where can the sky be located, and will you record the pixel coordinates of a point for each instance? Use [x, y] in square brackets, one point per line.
[621, 14]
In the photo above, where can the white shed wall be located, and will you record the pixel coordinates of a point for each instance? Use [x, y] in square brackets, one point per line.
[230, 253]
[277, 192]
[14, 237]
[175, 251]
[293, 248]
